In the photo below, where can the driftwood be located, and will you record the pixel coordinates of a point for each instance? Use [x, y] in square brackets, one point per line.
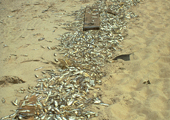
[91, 19]
[31, 109]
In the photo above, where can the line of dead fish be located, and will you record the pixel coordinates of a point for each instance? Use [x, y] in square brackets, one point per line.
[65, 95]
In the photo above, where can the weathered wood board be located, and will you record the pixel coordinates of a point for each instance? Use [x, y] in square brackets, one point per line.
[91, 19]
[31, 109]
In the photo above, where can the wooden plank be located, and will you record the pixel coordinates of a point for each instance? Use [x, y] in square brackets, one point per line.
[32, 109]
[91, 19]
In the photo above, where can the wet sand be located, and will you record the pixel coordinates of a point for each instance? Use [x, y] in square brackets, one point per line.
[22, 23]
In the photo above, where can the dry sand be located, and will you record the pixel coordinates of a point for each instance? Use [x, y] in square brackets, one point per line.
[22, 23]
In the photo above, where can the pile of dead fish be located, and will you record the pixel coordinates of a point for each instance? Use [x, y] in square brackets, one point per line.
[65, 95]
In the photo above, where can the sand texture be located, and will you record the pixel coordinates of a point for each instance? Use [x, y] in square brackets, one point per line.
[125, 87]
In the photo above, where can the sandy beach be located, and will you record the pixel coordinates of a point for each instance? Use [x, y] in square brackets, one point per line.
[137, 89]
